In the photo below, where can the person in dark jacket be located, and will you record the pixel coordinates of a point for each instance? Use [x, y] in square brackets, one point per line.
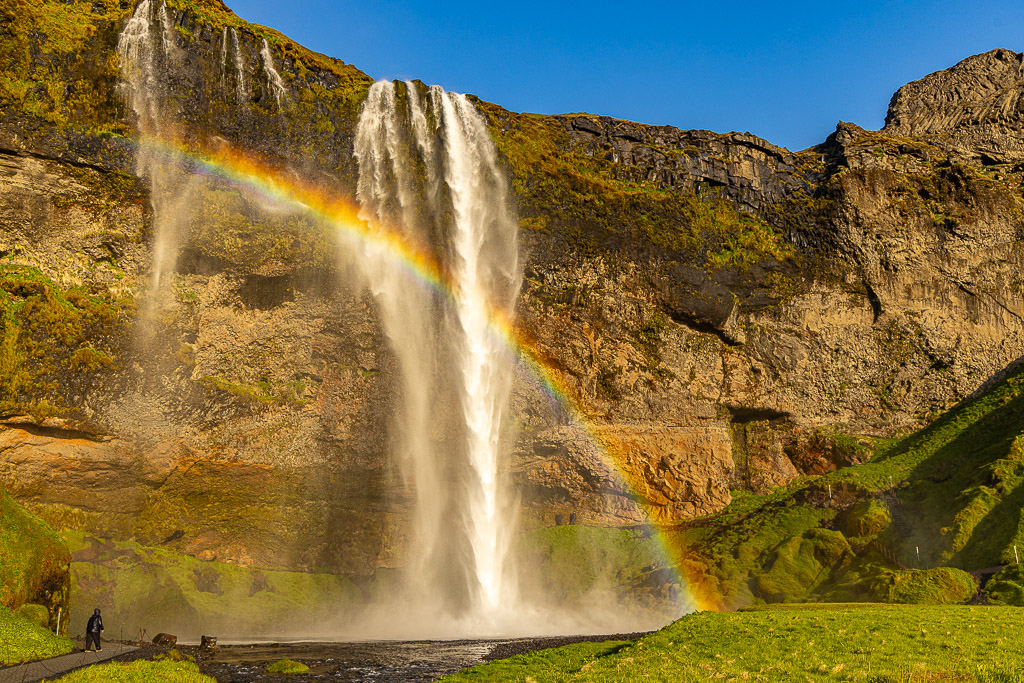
[93, 631]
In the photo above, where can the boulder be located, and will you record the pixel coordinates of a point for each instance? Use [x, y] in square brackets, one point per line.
[165, 640]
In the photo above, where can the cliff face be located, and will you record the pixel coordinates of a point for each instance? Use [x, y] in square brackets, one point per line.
[729, 313]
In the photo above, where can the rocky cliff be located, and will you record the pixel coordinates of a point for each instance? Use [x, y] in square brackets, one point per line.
[730, 314]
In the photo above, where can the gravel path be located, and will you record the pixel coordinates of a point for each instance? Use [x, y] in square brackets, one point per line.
[57, 666]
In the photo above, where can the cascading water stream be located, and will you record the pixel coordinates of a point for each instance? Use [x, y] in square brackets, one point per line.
[434, 158]
[144, 55]
[274, 81]
[428, 169]
[480, 206]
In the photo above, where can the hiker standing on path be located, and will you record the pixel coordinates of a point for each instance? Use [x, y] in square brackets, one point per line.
[93, 631]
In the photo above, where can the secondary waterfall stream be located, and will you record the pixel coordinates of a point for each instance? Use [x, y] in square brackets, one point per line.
[428, 165]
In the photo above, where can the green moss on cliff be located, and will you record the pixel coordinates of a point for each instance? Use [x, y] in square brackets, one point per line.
[583, 199]
[33, 560]
[54, 341]
[952, 502]
[959, 480]
[229, 231]
[56, 61]
[584, 569]
[23, 640]
[160, 590]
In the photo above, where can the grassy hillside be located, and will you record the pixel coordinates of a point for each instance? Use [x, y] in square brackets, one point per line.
[33, 560]
[840, 642]
[904, 527]
[21, 639]
[165, 670]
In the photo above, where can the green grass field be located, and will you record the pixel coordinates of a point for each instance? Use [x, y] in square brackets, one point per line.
[142, 671]
[841, 642]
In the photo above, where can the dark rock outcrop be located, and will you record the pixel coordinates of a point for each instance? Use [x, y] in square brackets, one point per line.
[975, 108]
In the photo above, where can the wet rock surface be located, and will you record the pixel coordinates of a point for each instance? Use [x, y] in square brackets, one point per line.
[373, 661]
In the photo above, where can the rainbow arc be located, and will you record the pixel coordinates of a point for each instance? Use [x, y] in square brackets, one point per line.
[276, 186]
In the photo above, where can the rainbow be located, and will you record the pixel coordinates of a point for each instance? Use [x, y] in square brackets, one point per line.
[273, 185]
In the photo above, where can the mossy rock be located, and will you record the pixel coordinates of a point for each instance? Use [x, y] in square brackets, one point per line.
[158, 589]
[55, 341]
[287, 666]
[1007, 587]
[936, 586]
[37, 614]
[800, 564]
[571, 562]
[866, 518]
[33, 560]
[23, 640]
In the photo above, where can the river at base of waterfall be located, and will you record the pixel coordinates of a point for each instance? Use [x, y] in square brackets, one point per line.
[379, 660]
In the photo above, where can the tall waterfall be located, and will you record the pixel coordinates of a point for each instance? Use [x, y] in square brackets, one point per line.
[144, 55]
[428, 167]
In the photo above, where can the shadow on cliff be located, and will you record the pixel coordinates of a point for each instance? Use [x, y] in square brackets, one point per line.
[962, 498]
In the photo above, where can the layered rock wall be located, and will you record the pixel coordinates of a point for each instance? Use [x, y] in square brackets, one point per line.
[727, 313]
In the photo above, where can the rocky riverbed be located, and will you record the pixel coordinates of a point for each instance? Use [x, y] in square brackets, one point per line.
[390, 661]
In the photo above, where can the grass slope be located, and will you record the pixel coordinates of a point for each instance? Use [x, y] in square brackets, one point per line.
[841, 642]
[142, 671]
[22, 640]
[904, 527]
[33, 559]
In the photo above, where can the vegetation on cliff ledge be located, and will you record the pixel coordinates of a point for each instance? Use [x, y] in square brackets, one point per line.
[56, 63]
[581, 198]
[33, 560]
[54, 340]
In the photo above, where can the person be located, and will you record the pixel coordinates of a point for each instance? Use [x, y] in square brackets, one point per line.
[93, 631]
[572, 518]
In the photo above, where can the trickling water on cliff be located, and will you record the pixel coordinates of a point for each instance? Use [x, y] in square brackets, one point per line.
[274, 81]
[231, 56]
[144, 54]
[428, 167]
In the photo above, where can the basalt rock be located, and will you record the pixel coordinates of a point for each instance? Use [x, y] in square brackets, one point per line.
[975, 108]
[165, 640]
[726, 313]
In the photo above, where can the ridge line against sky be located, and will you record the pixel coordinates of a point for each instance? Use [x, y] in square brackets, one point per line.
[787, 72]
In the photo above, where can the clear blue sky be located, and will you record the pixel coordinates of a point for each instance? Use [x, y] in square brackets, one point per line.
[785, 71]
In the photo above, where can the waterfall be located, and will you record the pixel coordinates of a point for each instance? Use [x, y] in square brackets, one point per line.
[231, 55]
[429, 167]
[481, 213]
[143, 57]
[274, 81]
